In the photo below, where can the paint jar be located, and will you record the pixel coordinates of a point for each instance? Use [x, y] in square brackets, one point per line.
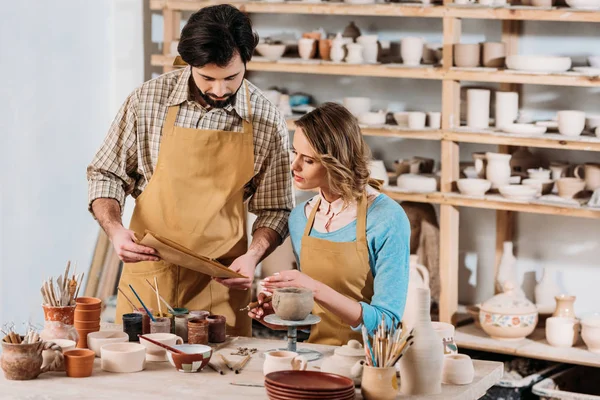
[197, 331]
[181, 325]
[216, 328]
[160, 325]
[180, 311]
[199, 314]
[145, 319]
[171, 318]
[132, 326]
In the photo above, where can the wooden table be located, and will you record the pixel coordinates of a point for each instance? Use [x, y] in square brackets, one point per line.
[162, 381]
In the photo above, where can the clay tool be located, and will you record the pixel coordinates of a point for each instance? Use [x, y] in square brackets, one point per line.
[143, 305]
[226, 361]
[127, 298]
[255, 304]
[164, 346]
[157, 296]
[246, 384]
[171, 310]
[238, 367]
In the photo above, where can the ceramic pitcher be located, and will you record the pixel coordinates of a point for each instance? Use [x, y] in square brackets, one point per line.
[24, 361]
[418, 278]
[498, 169]
[283, 361]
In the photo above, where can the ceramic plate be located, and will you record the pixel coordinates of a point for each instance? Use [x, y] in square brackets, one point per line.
[312, 394]
[309, 381]
[587, 70]
[548, 124]
[310, 320]
[526, 129]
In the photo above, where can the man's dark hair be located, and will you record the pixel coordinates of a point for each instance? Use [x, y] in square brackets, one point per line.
[215, 34]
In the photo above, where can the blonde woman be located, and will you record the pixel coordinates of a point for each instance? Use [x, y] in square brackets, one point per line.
[350, 240]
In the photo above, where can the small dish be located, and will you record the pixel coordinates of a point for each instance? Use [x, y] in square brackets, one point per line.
[123, 357]
[584, 4]
[532, 63]
[526, 129]
[473, 187]
[591, 71]
[542, 186]
[195, 358]
[518, 192]
[548, 124]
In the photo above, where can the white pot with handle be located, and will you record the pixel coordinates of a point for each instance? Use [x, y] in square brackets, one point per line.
[418, 279]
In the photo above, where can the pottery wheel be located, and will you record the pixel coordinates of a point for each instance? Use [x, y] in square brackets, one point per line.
[310, 355]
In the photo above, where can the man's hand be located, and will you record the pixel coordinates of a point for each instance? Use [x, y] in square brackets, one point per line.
[123, 241]
[245, 265]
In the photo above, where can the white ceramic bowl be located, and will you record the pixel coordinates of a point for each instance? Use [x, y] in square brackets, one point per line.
[96, 340]
[571, 122]
[518, 192]
[123, 357]
[357, 105]
[526, 129]
[401, 118]
[542, 186]
[584, 4]
[271, 52]
[538, 63]
[539, 173]
[473, 187]
[372, 118]
[562, 331]
[417, 183]
[590, 333]
[594, 61]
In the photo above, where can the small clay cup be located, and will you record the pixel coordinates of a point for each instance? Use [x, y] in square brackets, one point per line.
[494, 54]
[79, 363]
[88, 303]
[325, 49]
[216, 328]
[467, 55]
[293, 304]
[198, 331]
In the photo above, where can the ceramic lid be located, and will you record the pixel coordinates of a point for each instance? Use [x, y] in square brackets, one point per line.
[508, 303]
[352, 349]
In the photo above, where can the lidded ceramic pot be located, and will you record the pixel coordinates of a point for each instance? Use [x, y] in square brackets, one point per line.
[507, 316]
[344, 359]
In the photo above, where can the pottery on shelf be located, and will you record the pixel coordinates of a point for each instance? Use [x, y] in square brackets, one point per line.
[411, 50]
[351, 31]
[372, 118]
[344, 359]
[507, 269]
[293, 304]
[571, 122]
[434, 120]
[545, 292]
[458, 369]
[507, 108]
[538, 63]
[569, 187]
[378, 171]
[446, 333]
[417, 183]
[480, 160]
[337, 52]
[508, 316]
[494, 54]
[564, 306]
[123, 357]
[280, 360]
[379, 383]
[357, 105]
[590, 333]
[421, 366]
[478, 108]
[194, 359]
[306, 48]
[539, 173]
[416, 120]
[370, 48]
[590, 172]
[24, 361]
[473, 187]
[79, 363]
[355, 55]
[418, 278]
[467, 55]
[96, 340]
[562, 331]
[498, 169]
[325, 49]
[518, 192]
[542, 186]
[271, 52]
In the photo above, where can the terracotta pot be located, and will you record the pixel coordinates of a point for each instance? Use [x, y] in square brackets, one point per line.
[325, 49]
[24, 361]
[65, 315]
[87, 315]
[379, 383]
[467, 55]
[82, 342]
[564, 306]
[79, 363]
[293, 304]
[86, 325]
[88, 303]
[458, 370]
[494, 54]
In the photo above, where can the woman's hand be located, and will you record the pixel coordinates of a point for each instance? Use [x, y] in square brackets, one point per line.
[291, 278]
[264, 309]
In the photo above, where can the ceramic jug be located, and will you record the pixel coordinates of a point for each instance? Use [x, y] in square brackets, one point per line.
[498, 169]
[418, 278]
[337, 49]
[346, 361]
[24, 361]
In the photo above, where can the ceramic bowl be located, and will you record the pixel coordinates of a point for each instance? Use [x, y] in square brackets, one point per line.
[196, 357]
[562, 331]
[594, 61]
[539, 173]
[584, 4]
[96, 340]
[542, 186]
[569, 187]
[79, 363]
[87, 303]
[457, 369]
[292, 303]
[372, 118]
[538, 63]
[123, 357]
[271, 52]
[518, 192]
[357, 105]
[401, 118]
[526, 129]
[590, 333]
[417, 183]
[507, 316]
[571, 122]
[473, 187]
[592, 122]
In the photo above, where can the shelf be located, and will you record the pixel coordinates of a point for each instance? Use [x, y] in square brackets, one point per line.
[390, 10]
[495, 203]
[535, 346]
[505, 76]
[392, 131]
[548, 140]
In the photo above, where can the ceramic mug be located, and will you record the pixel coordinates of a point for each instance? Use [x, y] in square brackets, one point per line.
[562, 331]
[283, 361]
[591, 175]
[570, 122]
[156, 353]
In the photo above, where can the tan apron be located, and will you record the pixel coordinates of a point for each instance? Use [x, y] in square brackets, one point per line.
[343, 266]
[195, 198]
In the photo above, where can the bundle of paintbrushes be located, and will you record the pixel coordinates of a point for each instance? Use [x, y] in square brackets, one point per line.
[64, 291]
[387, 344]
[11, 336]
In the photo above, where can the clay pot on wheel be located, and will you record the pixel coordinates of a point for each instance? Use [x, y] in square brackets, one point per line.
[293, 304]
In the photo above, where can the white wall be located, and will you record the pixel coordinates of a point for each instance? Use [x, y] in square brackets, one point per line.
[66, 67]
[570, 245]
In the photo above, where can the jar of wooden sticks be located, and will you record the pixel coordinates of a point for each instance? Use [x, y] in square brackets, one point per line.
[58, 323]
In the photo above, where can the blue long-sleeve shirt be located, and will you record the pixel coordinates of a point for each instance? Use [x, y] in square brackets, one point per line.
[388, 237]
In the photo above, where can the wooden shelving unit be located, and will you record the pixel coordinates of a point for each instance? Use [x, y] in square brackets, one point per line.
[450, 135]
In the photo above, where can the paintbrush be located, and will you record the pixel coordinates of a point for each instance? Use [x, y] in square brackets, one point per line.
[143, 305]
[255, 304]
[164, 346]
[238, 367]
[171, 310]
[127, 298]
[157, 296]
[226, 361]
[216, 368]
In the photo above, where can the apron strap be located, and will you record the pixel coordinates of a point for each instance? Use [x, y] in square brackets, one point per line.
[248, 125]
[361, 220]
[311, 218]
[170, 120]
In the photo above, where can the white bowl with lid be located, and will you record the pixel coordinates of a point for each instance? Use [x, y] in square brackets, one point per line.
[508, 316]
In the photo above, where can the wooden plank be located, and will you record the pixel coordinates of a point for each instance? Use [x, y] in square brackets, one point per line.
[516, 13]
[550, 141]
[451, 35]
[168, 36]
[504, 76]
[449, 233]
[102, 249]
[535, 346]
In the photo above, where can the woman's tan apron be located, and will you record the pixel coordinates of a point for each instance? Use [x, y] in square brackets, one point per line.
[195, 198]
[343, 266]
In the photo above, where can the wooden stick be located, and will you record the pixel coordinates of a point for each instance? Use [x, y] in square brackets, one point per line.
[216, 368]
[66, 282]
[171, 310]
[238, 367]
[226, 361]
[158, 297]
[127, 298]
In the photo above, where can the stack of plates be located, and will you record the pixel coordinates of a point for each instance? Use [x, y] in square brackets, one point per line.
[284, 385]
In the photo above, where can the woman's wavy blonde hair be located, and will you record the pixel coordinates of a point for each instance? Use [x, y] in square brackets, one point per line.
[334, 135]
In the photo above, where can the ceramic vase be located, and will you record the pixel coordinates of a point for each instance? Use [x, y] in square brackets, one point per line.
[355, 55]
[418, 278]
[411, 50]
[507, 270]
[370, 48]
[379, 383]
[478, 108]
[564, 306]
[24, 361]
[498, 169]
[421, 366]
[337, 49]
[545, 291]
[507, 108]
[306, 48]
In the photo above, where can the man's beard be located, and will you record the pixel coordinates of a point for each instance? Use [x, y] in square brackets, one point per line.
[230, 99]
